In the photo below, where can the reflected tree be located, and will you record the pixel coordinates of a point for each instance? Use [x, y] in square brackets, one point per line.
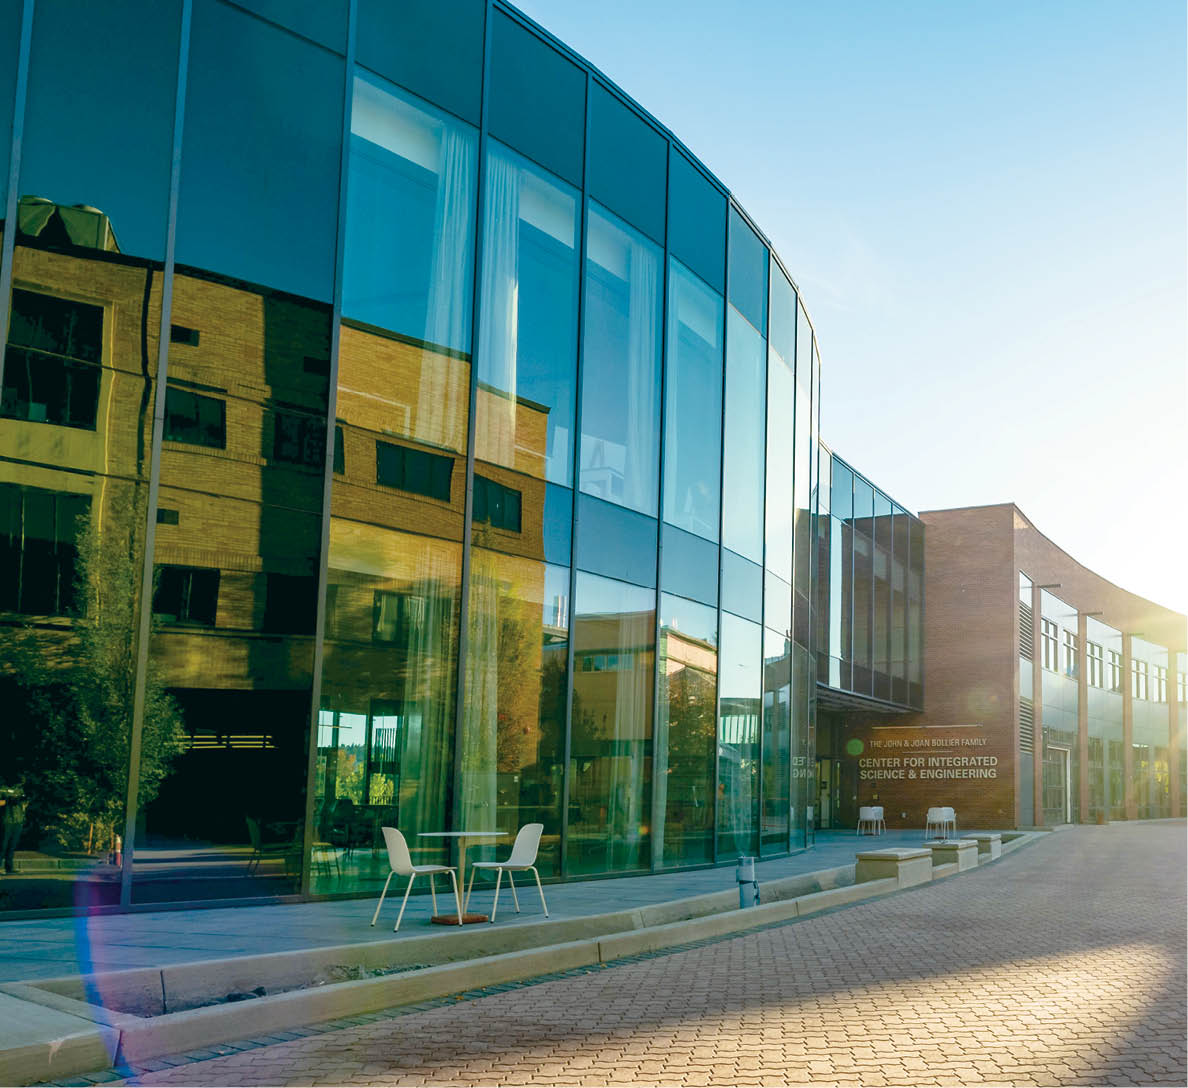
[69, 738]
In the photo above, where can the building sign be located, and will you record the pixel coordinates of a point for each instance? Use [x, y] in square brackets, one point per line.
[898, 758]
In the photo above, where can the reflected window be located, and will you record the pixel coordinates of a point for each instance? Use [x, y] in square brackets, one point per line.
[621, 371]
[528, 332]
[186, 595]
[299, 439]
[740, 702]
[39, 532]
[1070, 654]
[1138, 680]
[1095, 659]
[409, 247]
[418, 471]
[180, 334]
[51, 366]
[195, 419]
[1115, 674]
[290, 604]
[497, 505]
[339, 451]
[693, 405]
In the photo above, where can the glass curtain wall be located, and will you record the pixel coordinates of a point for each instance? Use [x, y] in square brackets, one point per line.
[513, 722]
[385, 752]
[778, 696]
[242, 462]
[76, 410]
[1106, 795]
[445, 299]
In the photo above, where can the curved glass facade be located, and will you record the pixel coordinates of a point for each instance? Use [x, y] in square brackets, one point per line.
[398, 427]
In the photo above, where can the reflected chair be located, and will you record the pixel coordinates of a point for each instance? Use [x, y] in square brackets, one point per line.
[870, 819]
[523, 858]
[283, 849]
[401, 865]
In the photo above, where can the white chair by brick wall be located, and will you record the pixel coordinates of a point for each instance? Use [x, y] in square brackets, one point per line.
[401, 862]
[867, 822]
[522, 859]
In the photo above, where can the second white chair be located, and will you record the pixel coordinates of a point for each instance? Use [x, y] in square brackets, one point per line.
[401, 863]
[523, 858]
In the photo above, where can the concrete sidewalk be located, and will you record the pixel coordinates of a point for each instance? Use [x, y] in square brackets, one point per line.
[51, 947]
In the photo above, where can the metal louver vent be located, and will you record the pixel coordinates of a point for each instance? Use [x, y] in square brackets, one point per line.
[1026, 725]
[1026, 631]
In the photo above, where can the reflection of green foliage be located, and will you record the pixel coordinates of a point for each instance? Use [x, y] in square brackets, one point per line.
[72, 733]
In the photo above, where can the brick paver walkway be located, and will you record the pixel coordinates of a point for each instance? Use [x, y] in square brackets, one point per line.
[1062, 964]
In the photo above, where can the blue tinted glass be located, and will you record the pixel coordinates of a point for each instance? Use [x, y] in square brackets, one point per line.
[615, 542]
[748, 272]
[627, 163]
[742, 586]
[621, 365]
[99, 120]
[689, 566]
[527, 360]
[558, 524]
[742, 489]
[781, 332]
[537, 99]
[693, 404]
[863, 504]
[781, 396]
[325, 21]
[433, 49]
[10, 40]
[696, 221]
[777, 603]
[410, 217]
[259, 186]
[841, 495]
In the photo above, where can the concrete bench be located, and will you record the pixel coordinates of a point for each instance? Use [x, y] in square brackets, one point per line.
[989, 845]
[907, 866]
[960, 852]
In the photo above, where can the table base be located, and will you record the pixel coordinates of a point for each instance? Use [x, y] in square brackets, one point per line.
[452, 919]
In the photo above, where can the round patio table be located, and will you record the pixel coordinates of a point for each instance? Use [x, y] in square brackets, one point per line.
[462, 837]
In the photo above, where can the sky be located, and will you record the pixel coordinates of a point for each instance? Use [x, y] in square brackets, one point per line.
[984, 208]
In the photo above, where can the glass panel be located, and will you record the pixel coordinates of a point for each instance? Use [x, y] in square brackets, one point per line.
[748, 261]
[777, 603]
[513, 730]
[325, 21]
[777, 723]
[611, 748]
[781, 333]
[696, 221]
[742, 586]
[738, 735]
[10, 41]
[621, 365]
[616, 542]
[83, 336]
[528, 333]
[392, 609]
[628, 163]
[693, 405]
[689, 566]
[256, 173]
[433, 49]
[408, 263]
[802, 481]
[537, 99]
[742, 489]
[236, 600]
[684, 802]
[882, 597]
[83, 104]
[781, 402]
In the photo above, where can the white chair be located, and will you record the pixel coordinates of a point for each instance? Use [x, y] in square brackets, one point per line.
[401, 863]
[867, 820]
[942, 821]
[523, 857]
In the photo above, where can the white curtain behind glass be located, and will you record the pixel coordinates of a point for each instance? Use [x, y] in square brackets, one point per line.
[499, 314]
